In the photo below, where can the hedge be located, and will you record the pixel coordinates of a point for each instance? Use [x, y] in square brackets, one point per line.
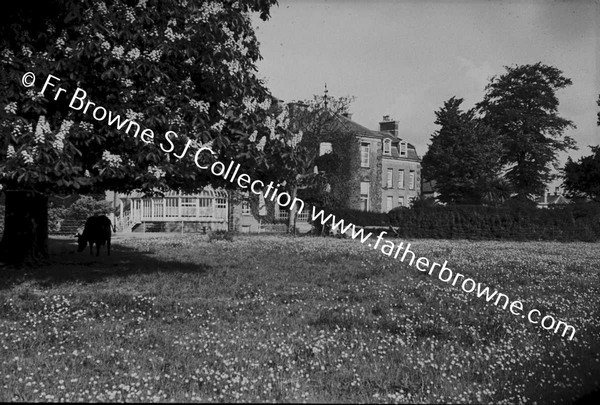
[571, 222]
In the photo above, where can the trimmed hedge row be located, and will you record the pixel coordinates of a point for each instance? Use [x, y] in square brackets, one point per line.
[572, 222]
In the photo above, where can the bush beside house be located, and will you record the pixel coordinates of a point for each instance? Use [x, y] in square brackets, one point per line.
[66, 218]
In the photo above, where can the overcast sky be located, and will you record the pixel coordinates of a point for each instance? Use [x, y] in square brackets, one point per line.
[405, 58]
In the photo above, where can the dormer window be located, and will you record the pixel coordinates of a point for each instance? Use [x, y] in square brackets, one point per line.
[387, 147]
[403, 149]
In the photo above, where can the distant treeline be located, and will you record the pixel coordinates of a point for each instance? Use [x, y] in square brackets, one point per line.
[571, 222]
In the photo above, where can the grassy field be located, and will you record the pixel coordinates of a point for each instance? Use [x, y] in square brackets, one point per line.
[270, 318]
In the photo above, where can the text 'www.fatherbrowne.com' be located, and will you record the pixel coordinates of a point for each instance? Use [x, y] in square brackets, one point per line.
[444, 273]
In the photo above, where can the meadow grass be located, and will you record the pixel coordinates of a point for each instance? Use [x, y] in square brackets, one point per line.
[274, 318]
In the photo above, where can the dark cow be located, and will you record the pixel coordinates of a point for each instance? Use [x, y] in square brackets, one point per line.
[98, 230]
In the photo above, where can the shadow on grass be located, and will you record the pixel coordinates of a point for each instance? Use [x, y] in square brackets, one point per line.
[65, 265]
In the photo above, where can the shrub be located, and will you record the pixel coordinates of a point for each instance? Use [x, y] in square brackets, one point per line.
[87, 206]
[220, 235]
[516, 221]
[56, 216]
[356, 217]
[83, 208]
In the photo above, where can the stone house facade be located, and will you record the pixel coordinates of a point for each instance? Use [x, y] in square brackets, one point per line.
[389, 174]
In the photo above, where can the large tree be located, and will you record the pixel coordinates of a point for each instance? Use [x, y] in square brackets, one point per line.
[582, 178]
[291, 148]
[463, 157]
[186, 66]
[521, 105]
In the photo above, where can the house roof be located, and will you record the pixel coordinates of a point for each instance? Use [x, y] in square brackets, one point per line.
[553, 199]
[365, 132]
[208, 191]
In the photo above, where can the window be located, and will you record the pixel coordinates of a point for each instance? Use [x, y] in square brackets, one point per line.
[401, 201]
[172, 208]
[403, 149]
[390, 174]
[390, 203]
[401, 178]
[147, 208]
[245, 207]
[364, 154]
[221, 211]
[364, 195]
[206, 207]
[281, 214]
[325, 147]
[387, 147]
[303, 216]
[159, 210]
[188, 207]
[411, 180]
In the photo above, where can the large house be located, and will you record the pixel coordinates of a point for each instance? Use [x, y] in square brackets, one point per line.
[390, 169]
[387, 175]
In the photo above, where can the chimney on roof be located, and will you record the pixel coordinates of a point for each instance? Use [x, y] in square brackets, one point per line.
[389, 125]
[556, 190]
[347, 115]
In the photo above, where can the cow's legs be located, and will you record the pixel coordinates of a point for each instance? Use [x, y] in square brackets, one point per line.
[108, 246]
[97, 249]
[91, 248]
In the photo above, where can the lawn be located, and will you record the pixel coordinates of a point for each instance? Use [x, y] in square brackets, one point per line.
[272, 318]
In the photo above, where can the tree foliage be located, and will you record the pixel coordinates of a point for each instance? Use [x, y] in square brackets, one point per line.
[463, 157]
[186, 66]
[183, 66]
[291, 148]
[522, 106]
[582, 178]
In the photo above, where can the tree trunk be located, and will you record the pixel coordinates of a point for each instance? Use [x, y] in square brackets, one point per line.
[25, 238]
[293, 212]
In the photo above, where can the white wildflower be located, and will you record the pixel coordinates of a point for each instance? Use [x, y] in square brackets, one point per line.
[118, 51]
[26, 52]
[155, 55]
[200, 105]
[11, 108]
[133, 54]
[112, 160]
[265, 105]
[218, 126]
[101, 6]
[129, 14]
[27, 158]
[156, 171]
[59, 142]
[261, 144]
[250, 104]
[210, 9]
[42, 128]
